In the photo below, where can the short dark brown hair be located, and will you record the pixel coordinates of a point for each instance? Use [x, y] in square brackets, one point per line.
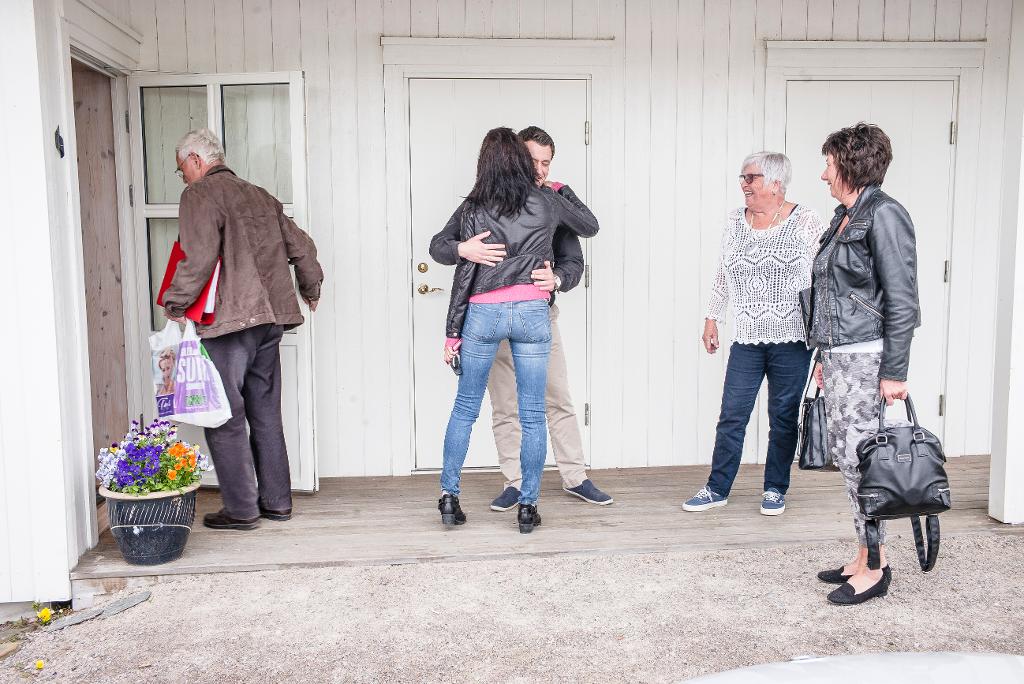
[862, 154]
[538, 135]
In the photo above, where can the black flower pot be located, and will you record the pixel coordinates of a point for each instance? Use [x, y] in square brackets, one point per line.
[152, 528]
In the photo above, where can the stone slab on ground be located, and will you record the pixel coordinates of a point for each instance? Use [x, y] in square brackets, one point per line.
[9, 648]
[121, 605]
[74, 619]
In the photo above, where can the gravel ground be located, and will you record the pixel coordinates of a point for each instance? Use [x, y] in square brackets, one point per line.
[661, 617]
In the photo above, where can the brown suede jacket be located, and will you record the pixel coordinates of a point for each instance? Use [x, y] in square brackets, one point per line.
[221, 215]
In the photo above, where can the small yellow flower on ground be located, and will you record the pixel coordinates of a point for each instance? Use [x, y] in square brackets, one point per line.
[44, 615]
[39, 664]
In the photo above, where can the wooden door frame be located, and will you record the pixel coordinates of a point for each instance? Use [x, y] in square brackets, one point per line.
[406, 58]
[961, 63]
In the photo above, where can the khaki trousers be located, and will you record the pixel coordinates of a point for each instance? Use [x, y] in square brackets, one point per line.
[562, 426]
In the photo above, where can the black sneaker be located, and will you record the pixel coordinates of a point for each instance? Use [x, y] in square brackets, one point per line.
[222, 521]
[528, 518]
[279, 516]
[846, 595]
[451, 512]
[506, 501]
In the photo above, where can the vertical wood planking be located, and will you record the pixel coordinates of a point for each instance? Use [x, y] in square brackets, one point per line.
[973, 14]
[423, 18]
[451, 18]
[397, 20]
[558, 18]
[636, 270]
[143, 19]
[768, 19]
[687, 246]
[172, 51]
[897, 20]
[199, 34]
[230, 36]
[370, 172]
[348, 276]
[286, 35]
[505, 20]
[661, 193]
[258, 53]
[713, 206]
[844, 20]
[947, 20]
[871, 20]
[819, 19]
[478, 19]
[922, 19]
[531, 18]
[794, 19]
[315, 62]
[585, 17]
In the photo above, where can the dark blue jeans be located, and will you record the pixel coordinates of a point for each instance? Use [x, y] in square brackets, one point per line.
[786, 365]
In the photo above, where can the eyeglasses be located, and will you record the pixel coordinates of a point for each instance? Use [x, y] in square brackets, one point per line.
[177, 169]
[748, 178]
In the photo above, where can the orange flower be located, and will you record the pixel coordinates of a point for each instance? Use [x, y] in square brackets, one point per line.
[172, 475]
[192, 461]
[178, 450]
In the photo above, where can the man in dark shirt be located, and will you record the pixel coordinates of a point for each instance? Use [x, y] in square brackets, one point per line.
[566, 273]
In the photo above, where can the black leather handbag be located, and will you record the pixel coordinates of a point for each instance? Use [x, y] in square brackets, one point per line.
[813, 429]
[902, 476]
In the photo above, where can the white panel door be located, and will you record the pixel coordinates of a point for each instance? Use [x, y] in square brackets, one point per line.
[260, 119]
[447, 122]
[916, 115]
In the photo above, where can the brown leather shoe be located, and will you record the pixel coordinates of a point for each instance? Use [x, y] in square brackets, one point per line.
[222, 521]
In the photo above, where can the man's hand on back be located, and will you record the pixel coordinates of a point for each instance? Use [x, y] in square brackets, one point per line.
[479, 252]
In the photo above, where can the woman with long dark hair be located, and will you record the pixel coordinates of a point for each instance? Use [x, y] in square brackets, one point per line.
[490, 304]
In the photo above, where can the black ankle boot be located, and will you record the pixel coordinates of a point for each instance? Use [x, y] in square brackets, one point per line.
[846, 595]
[451, 511]
[528, 518]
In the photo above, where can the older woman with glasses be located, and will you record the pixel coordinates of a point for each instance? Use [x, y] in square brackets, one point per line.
[767, 249]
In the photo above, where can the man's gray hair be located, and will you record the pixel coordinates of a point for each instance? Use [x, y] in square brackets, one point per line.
[202, 142]
[774, 165]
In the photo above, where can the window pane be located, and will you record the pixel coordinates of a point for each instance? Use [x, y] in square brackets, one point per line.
[162, 234]
[257, 136]
[168, 114]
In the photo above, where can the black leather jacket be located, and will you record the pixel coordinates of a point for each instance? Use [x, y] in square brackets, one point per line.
[528, 240]
[872, 283]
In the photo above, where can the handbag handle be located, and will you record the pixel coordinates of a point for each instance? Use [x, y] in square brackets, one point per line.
[911, 413]
[810, 377]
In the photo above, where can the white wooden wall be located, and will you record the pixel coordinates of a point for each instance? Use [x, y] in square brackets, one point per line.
[689, 105]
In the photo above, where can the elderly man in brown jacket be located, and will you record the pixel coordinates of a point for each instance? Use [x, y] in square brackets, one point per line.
[223, 216]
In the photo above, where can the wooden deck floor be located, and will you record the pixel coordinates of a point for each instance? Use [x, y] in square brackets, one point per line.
[361, 521]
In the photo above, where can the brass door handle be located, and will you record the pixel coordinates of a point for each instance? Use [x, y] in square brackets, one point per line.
[426, 289]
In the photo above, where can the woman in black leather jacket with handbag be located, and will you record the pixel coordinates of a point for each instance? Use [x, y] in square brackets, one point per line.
[489, 304]
[860, 313]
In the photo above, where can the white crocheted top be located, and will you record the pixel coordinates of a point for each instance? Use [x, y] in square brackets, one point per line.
[761, 273]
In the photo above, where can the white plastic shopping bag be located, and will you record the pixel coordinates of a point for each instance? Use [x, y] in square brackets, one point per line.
[164, 346]
[199, 397]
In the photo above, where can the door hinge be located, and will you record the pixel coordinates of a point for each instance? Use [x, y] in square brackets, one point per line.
[586, 132]
[131, 195]
[945, 272]
[942, 404]
[127, 122]
[586, 414]
[586, 276]
[952, 132]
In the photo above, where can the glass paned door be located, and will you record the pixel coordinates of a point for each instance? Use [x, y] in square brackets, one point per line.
[260, 120]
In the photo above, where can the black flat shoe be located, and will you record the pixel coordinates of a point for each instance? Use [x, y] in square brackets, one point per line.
[222, 521]
[846, 595]
[280, 516]
[833, 576]
[528, 518]
[451, 511]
